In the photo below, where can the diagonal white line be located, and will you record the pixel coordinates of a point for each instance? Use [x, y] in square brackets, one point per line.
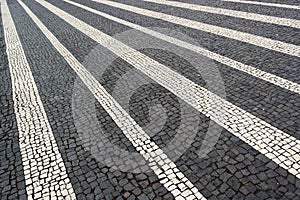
[271, 44]
[44, 169]
[232, 13]
[265, 4]
[271, 78]
[273, 143]
[166, 170]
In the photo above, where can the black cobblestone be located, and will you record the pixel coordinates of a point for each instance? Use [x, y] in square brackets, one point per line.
[231, 170]
[12, 185]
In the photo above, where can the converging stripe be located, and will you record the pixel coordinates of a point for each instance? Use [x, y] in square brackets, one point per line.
[232, 13]
[44, 169]
[273, 143]
[169, 175]
[274, 45]
[278, 5]
[271, 78]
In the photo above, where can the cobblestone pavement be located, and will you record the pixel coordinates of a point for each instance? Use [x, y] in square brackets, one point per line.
[150, 99]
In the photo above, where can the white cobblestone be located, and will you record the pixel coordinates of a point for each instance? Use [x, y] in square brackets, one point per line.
[29, 112]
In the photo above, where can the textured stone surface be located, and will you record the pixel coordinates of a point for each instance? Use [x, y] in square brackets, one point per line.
[11, 169]
[231, 170]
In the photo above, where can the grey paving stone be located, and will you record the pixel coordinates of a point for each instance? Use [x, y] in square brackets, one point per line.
[256, 28]
[232, 170]
[56, 96]
[11, 169]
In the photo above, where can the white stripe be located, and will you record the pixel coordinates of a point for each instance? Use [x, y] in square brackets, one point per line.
[265, 4]
[275, 45]
[275, 144]
[271, 78]
[167, 172]
[44, 169]
[233, 13]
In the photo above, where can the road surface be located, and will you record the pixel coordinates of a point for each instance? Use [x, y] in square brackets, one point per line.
[150, 99]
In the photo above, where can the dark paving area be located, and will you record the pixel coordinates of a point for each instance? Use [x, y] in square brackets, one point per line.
[12, 184]
[283, 65]
[265, 10]
[100, 160]
[283, 33]
[254, 95]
